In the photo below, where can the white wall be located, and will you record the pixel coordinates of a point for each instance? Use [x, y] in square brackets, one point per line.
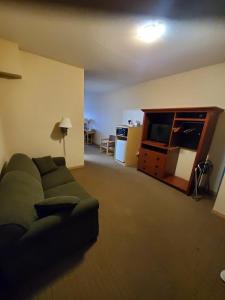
[200, 87]
[185, 163]
[219, 206]
[30, 108]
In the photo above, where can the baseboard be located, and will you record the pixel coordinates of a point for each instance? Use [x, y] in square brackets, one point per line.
[93, 144]
[215, 212]
[76, 167]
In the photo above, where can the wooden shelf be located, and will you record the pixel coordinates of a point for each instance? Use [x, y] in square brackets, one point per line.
[185, 109]
[155, 144]
[189, 119]
[177, 182]
[158, 145]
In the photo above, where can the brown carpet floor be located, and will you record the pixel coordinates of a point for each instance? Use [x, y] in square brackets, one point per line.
[155, 242]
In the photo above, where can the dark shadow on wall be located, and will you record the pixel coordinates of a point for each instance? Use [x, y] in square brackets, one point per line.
[57, 135]
[217, 153]
[3, 170]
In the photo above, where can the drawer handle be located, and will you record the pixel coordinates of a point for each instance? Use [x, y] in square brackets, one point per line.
[143, 168]
[156, 167]
[155, 174]
[158, 158]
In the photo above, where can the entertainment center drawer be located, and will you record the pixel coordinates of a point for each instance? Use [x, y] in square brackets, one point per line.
[152, 162]
[143, 168]
[157, 158]
[159, 173]
[152, 157]
[151, 170]
[144, 153]
[144, 164]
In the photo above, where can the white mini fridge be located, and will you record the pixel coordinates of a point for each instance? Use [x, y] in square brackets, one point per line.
[121, 147]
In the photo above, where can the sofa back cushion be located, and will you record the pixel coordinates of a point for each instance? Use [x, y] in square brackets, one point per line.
[58, 177]
[21, 162]
[45, 164]
[18, 193]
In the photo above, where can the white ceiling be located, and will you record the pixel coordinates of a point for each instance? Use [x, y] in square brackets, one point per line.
[106, 47]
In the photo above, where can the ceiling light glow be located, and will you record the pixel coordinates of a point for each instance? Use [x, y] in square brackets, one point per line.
[151, 32]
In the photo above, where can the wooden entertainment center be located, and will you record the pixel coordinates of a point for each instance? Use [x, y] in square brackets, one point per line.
[166, 131]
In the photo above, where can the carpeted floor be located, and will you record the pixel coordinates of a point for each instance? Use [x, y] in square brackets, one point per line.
[155, 243]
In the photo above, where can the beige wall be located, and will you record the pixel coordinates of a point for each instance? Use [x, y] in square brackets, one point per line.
[3, 150]
[9, 58]
[31, 106]
[219, 206]
[200, 87]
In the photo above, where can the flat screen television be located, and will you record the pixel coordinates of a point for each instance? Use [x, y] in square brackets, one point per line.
[160, 133]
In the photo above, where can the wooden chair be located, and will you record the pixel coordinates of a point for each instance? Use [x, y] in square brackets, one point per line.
[108, 144]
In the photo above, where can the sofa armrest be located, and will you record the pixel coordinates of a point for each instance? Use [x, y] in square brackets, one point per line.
[52, 205]
[9, 235]
[59, 161]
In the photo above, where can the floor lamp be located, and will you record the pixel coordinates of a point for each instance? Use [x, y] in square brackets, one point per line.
[64, 125]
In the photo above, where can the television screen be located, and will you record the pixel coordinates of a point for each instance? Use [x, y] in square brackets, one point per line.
[160, 133]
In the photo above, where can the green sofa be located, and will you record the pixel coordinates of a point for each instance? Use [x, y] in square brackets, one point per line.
[27, 242]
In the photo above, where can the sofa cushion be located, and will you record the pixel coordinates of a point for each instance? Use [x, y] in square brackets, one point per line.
[53, 205]
[45, 226]
[59, 161]
[10, 234]
[74, 189]
[58, 177]
[68, 189]
[85, 206]
[18, 193]
[45, 164]
[21, 162]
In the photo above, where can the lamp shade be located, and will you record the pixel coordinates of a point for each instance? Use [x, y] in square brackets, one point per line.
[65, 123]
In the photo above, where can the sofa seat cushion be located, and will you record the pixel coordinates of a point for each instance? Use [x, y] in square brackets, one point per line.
[53, 205]
[49, 224]
[42, 226]
[21, 162]
[9, 235]
[86, 203]
[68, 189]
[58, 177]
[18, 193]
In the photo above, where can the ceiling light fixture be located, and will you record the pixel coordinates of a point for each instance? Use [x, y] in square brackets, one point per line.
[151, 32]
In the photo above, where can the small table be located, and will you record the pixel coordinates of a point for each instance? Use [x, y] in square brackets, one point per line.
[88, 136]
